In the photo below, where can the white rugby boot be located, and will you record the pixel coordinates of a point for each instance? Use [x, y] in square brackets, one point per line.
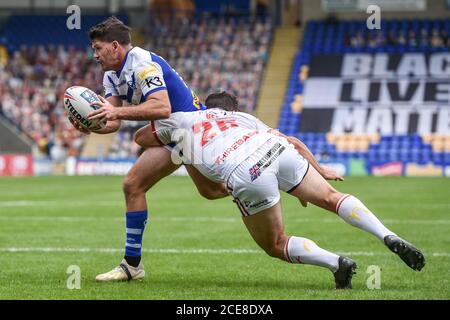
[123, 272]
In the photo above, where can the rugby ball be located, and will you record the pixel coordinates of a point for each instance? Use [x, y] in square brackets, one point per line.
[77, 102]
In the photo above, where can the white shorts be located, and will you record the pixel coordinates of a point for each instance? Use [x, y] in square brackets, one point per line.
[256, 182]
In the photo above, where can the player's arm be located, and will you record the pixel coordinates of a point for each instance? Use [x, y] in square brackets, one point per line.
[157, 106]
[207, 188]
[150, 79]
[111, 126]
[326, 172]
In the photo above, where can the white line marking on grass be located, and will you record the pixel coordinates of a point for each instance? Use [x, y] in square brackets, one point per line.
[114, 250]
[425, 205]
[198, 219]
[114, 203]
[186, 251]
[58, 218]
[395, 221]
[63, 203]
[210, 219]
[372, 254]
[115, 218]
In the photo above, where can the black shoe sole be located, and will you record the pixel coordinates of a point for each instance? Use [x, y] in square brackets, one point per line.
[407, 252]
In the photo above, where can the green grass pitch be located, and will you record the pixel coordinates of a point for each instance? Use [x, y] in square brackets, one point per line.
[200, 249]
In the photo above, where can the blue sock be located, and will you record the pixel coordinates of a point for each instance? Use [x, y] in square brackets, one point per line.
[136, 222]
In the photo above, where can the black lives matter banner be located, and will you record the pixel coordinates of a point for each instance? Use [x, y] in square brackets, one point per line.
[378, 93]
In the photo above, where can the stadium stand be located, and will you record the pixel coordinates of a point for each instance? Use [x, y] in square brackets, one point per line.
[44, 60]
[210, 54]
[214, 53]
[31, 84]
[37, 30]
[396, 37]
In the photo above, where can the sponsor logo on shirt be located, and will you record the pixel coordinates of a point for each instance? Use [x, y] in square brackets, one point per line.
[147, 72]
[220, 159]
[153, 82]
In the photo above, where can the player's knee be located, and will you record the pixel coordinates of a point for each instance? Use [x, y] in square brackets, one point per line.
[331, 199]
[213, 193]
[127, 185]
[138, 137]
[130, 185]
[208, 194]
[271, 250]
[275, 248]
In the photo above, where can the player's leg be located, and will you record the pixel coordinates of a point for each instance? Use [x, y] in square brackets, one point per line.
[258, 199]
[316, 190]
[266, 228]
[153, 165]
[208, 189]
[144, 136]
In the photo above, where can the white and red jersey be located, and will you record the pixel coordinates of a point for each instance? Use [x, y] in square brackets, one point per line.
[214, 141]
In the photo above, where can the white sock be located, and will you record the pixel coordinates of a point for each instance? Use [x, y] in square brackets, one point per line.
[354, 212]
[302, 250]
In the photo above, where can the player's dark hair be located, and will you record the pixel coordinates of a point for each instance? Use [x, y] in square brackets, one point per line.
[111, 29]
[222, 100]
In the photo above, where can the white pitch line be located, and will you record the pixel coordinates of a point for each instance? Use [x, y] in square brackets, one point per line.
[114, 203]
[210, 219]
[396, 221]
[114, 250]
[94, 218]
[186, 251]
[27, 203]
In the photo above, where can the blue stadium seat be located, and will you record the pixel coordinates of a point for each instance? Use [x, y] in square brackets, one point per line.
[446, 158]
[324, 38]
[46, 29]
[437, 158]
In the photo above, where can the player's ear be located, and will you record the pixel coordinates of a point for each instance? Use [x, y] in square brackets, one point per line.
[115, 45]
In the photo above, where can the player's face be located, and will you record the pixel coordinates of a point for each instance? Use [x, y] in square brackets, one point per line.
[105, 53]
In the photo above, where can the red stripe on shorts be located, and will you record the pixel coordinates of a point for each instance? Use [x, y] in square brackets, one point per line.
[154, 132]
[239, 205]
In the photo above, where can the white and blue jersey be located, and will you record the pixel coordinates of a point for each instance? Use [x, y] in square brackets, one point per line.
[143, 73]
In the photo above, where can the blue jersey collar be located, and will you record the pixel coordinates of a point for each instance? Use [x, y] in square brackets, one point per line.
[123, 62]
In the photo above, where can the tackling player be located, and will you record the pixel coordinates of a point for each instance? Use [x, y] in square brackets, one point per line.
[255, 162]
[151, 89]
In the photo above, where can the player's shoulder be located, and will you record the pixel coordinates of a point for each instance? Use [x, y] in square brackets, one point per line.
[244, 115]
[247, 119]
[141, 61]
[178, 119]
[138, 54]
[213, 113]
[109, 76]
